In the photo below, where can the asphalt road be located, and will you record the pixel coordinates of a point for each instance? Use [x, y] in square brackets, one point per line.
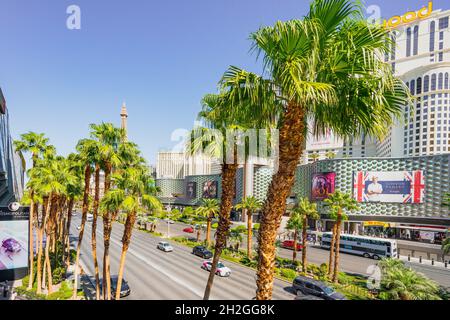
[155, 275]
[348, 263]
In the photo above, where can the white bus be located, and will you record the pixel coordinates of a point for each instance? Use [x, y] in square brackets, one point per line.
[368, 247]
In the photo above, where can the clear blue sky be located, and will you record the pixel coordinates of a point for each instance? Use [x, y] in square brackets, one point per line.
[161, 57]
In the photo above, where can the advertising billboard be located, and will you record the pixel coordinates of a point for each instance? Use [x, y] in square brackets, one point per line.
[191, 190]
[209, 190]
[14, 235]
[322, 185]
[389, 187]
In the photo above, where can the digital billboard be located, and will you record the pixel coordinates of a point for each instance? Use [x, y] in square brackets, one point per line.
[389, 187]
[209, 190]
[14, 235]
[322, 185]
[191, 190]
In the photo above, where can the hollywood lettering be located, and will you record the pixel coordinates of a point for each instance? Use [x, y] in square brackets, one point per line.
[408, 17]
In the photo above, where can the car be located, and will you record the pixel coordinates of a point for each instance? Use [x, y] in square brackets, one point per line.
[307, 286]
[90, 217]
[124, 288]
[202, 251]
[188, 230]
[221, 270]
[164, 246]
[289, 244]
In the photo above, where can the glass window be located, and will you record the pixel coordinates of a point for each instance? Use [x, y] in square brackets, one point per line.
[433, 82]
[413, 87]
[426, 85]
[408, 42]
[443, 23]
[432, 35]
[446, 81]
[419, 85]
[416, 40]
[441, 81]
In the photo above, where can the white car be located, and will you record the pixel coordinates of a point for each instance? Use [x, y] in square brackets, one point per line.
[221, 269]
[165, 246]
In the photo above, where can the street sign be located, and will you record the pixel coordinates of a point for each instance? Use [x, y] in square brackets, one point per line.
[14, 242]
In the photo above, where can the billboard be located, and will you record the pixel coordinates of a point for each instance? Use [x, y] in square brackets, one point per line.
[191, 190]
[14, 247]
[322, 185]
[209, 190]
[389, 187]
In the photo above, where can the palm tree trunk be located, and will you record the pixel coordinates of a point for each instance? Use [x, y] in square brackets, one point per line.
[332, 245]
[41, 243]
[249, 234]
[107, 228]
[131, 219]
[208, 231]
[198, 235]
[291, 144]
[69, 221]
[336, 252]
[94, 230]
[48, 265]
[228, 183]
[294, 253]
[31, 243]
[304, 235]
[87, 177]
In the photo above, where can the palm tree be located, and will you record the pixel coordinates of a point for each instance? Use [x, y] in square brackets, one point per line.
[36, 144]
[337, 203]
[330, 155]
[235, 236]
[295, 223]
[307, 211]
[401, 283]
[87, 150]
[325, 69]
[136, 189]
[209, 209]
[251, 205]
[314, 156]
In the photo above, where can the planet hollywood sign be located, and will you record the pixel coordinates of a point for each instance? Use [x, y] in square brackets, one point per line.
[408, 17]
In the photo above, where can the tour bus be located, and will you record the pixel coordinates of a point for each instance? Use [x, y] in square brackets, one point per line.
[368, 247]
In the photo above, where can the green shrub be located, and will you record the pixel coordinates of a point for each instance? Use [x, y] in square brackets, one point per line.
[252, 263]
[214, 225]
[288, 273]
[58, 275]
[64, 293]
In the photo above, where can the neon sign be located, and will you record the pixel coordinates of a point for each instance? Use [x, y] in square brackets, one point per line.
[408, 17]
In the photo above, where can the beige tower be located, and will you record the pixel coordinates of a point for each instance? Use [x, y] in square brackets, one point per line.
[124, 117]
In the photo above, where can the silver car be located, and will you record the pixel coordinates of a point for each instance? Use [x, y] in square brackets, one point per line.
[165, 246]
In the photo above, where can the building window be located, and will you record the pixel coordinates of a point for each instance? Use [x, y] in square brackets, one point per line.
[416, 41]
[426, 84]
[413, 87]
[446, 81]
[433, 82]
[441, 81]
[443, 23]
[408, 42]
[394, 46]
[432, 35]
[419, 85]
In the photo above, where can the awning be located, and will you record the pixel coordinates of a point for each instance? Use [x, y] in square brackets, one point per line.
[376, 224]
[435, 229]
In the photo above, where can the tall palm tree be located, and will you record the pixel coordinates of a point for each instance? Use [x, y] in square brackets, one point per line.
[325, 69]
[307, 211]
[137, 190]
[36, 144]
[337, 203]
[295, 223]
[209, 209]
[87, 150]
[250, 204]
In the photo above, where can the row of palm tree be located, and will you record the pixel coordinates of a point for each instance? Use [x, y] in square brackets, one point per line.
[324, 69]
[56, 184]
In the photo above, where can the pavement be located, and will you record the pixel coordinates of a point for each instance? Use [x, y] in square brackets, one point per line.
[156, 275]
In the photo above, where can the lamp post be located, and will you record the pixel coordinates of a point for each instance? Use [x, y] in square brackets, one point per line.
[169, 209]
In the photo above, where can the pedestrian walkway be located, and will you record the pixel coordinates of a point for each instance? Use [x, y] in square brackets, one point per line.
[426, 262]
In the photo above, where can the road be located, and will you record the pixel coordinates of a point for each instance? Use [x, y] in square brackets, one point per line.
[155, 275]
[347, 262]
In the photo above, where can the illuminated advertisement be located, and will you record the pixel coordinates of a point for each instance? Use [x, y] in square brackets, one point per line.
[389, 187]
[14, 234]
[322, 185]
[209, 190]
[191, 190]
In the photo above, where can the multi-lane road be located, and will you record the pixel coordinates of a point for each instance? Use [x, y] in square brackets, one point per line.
[153, 274]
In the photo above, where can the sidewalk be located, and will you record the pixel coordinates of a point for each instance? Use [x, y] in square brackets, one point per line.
[426, 262]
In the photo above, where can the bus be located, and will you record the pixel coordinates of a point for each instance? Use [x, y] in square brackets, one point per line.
[368, 247]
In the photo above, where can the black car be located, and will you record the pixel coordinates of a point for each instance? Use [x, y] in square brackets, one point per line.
[124, 288]
[307, 286]
[201, 251]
